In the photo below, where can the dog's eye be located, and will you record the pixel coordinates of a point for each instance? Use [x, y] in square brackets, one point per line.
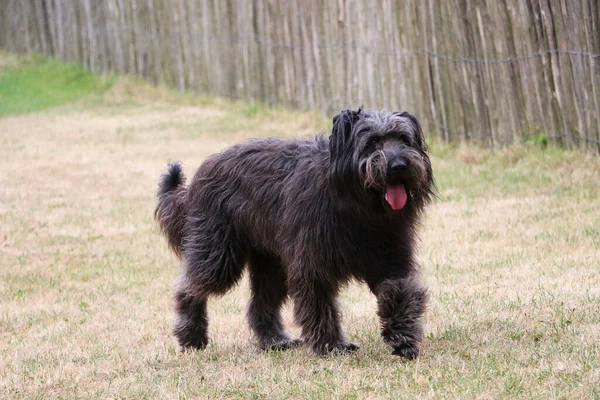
[405, 140]
[373, 141]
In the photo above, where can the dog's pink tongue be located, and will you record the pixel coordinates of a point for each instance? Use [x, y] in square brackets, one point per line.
[396, 196]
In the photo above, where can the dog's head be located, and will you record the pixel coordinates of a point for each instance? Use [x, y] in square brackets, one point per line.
[381, 156]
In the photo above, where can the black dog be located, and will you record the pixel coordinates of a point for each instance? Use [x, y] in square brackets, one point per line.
[305, 216]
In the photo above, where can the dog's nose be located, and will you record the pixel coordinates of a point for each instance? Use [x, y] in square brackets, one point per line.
[397, 166]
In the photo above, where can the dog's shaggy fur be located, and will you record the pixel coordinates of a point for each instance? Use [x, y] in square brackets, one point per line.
[305, 217]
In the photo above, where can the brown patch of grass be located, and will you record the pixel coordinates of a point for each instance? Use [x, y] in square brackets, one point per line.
[8, 60]
[471, 155]
[510, 251]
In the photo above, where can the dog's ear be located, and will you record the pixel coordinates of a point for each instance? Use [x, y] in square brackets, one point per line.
[416, 125]
[342, 128]
[341, 148]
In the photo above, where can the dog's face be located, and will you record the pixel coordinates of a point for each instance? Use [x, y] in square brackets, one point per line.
[383, 156]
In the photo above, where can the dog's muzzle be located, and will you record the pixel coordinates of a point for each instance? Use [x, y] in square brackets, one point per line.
[395, 191]
[389, 176]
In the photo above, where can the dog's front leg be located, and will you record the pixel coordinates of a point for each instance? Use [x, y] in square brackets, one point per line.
[401, 303]
[316, 311]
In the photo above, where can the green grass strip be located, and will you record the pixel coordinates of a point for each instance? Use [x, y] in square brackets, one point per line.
[38, 83]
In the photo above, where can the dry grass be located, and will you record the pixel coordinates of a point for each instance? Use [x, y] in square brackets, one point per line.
[511, 253]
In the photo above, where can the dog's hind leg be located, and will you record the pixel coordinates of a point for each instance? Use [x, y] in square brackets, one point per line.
[401, 304]
[316, 311]
[213, 263]
[269, 292]
[191, 325]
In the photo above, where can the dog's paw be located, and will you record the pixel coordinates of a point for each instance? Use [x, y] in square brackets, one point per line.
[408, 351]
[190, 339]
[342, 347]
[349, 346]
[284, 344]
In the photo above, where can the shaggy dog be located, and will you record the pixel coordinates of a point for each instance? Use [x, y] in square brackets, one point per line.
[304, 217]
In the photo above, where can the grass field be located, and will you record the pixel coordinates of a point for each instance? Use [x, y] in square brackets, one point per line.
[510, 251]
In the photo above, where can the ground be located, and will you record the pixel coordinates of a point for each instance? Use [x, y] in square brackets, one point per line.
[510, 252]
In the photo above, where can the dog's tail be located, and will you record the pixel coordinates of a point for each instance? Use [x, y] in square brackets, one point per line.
[170, 211]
